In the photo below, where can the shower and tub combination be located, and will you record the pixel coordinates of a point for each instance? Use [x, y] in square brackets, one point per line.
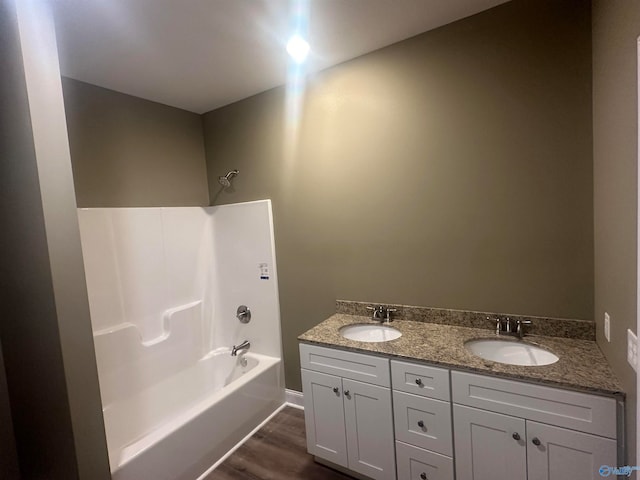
[185, 315]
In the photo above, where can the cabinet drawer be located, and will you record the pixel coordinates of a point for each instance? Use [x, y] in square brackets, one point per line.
[420, 380]
[423, 422]
[417, 464]
[356, 366]
[574, 410]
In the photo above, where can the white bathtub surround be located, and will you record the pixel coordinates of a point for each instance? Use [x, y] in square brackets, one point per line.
[164, 285]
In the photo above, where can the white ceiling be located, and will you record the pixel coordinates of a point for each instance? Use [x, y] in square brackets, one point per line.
[202, 54]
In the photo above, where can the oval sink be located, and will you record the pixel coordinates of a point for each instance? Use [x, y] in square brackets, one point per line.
[510, 352]
[366, 332]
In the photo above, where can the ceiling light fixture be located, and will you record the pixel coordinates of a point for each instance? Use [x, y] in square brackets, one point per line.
[298, 48]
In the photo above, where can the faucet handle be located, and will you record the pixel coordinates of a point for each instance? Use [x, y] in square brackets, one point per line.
[520, 326]
[389, 312]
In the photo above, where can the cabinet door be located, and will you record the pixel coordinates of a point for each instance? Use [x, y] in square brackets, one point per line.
[488, 446]
[565, 454]
[324, 416]
[368, 417]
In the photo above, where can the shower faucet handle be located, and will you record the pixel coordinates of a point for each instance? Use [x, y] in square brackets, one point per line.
[243, 314]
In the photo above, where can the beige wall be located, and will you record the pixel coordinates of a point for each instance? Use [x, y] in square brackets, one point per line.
[616, 27]
[45, 327]
[130, 152]
[453, 169]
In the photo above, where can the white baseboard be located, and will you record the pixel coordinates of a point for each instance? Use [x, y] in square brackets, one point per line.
[294, 398]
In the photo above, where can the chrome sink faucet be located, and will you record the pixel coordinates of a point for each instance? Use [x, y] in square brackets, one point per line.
[378, 312]
[506, 326]
[500, 325]
[381, 313]
[243, 346]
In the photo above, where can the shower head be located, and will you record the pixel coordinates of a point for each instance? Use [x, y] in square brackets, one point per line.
[225, 180]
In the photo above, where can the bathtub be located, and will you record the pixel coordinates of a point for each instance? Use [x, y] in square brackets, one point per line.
[164, 286]
[177, 428]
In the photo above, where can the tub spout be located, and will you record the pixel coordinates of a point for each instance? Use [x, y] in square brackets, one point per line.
[243, 346]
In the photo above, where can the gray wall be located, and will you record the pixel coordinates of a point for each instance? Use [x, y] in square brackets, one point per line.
[130, 152]
[45, 327]
[453, 169]
[616, 27]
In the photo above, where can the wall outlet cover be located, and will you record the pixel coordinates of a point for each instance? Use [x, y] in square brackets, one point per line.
[607, 327]
[632, 349]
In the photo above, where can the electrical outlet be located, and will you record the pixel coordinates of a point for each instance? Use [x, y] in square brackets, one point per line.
[632, 349]
[607, 327]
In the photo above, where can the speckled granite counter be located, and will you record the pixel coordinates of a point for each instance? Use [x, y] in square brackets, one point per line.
[581, 365]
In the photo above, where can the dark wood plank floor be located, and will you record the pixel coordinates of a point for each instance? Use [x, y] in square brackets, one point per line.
[278, 451]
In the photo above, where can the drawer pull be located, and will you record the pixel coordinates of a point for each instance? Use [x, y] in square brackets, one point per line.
[516, 436]
[419, 382]
[423, 476]
[421, 424]
[536, 441]
[336, 389]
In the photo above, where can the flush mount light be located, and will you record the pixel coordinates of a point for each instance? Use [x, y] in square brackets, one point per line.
[298, 48]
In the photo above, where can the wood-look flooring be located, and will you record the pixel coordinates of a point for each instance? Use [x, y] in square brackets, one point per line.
[278, 451]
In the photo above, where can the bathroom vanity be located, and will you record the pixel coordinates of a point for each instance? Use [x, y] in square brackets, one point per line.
[422, 407]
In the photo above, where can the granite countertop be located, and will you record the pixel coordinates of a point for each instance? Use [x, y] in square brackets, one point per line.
[581, 366]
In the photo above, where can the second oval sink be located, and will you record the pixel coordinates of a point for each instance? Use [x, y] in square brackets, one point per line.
[367, 332]
[510, 352]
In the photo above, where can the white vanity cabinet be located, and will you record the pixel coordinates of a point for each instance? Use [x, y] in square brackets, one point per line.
[348, 412]
[506, 430]
[369, 414]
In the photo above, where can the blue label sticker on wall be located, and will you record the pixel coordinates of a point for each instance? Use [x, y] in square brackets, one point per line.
[264, 271]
